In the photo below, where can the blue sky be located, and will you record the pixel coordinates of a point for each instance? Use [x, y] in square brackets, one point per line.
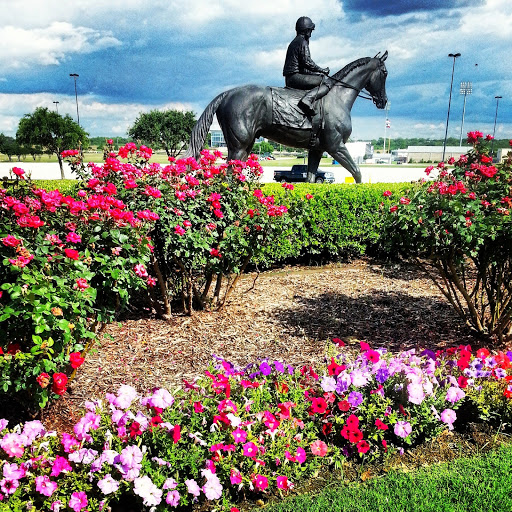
[134, 56]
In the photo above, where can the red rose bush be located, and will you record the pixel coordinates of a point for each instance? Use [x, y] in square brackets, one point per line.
[457, 226]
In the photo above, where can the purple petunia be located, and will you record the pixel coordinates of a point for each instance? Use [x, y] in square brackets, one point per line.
[355, 399]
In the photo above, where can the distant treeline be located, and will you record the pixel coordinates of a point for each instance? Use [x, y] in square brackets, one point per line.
[401, 143]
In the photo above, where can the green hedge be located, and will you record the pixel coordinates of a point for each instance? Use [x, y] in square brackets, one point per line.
[344, 221]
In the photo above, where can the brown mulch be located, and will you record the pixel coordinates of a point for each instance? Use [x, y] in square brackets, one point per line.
[286, 314]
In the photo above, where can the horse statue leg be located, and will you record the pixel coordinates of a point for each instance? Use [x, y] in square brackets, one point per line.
[314, 157]
[342, 156]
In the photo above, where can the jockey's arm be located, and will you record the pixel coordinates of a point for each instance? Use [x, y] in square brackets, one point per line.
[307, 61]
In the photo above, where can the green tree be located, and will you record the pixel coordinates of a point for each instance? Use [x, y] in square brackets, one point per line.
[53, 132]
[167, 129]
[263, 147]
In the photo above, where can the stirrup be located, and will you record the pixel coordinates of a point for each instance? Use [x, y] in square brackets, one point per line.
[307, 109]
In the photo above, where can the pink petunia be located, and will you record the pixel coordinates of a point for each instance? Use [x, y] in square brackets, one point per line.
[319, 448]
[78, 501]
[45, 486]
[260, 482]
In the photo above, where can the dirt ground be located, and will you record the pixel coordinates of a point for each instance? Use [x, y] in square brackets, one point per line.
[286, 314]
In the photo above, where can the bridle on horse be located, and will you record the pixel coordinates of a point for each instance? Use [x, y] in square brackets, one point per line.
[341, 83]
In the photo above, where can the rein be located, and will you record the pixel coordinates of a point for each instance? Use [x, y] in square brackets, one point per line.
[348, 86]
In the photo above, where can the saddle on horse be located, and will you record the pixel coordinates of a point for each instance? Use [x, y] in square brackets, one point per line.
[286, 111]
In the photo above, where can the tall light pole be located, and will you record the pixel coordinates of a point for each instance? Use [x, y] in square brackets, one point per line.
[75, 76]
[454, 56]
[387, 124]
[465, 88]
[56, 106]
[497, 98]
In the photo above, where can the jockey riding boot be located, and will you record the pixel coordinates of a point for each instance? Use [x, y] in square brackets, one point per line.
[308, 100]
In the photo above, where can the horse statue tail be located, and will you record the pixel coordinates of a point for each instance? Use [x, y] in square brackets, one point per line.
[198, 135]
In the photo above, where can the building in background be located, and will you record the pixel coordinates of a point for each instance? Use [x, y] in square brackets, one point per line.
[431, 154]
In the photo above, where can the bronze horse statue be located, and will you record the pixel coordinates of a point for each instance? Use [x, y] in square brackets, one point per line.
[248, 112]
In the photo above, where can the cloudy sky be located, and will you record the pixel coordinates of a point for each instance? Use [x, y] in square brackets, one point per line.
[134, 56]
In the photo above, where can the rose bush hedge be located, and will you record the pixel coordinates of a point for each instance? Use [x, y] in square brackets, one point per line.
[458, 228]
[238, 432]
[70, 264]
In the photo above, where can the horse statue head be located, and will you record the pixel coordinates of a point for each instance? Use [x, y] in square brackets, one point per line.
[376, 84]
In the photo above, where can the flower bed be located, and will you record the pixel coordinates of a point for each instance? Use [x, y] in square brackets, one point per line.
[243, 431]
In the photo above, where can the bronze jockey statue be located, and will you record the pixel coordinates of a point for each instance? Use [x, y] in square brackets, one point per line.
[301, 72]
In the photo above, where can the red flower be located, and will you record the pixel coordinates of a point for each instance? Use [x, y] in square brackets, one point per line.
[327, 428]
[462, 381]
[344, 405]
[363, 446]
[353, 422]
[176, 434]
[60, 382]
[335, 368]
[338, 342]
[387, 193]
[354, 436]
[482, 353]
[43, 380]
[76, 359]
[13, 348]
[72, 254]
[380, 424]
[318, 405]
[135, 430]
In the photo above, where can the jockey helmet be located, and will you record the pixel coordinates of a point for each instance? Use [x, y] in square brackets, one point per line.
[304, 23]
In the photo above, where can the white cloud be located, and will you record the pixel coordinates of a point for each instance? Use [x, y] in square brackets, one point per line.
[96, 116]
[50, 45]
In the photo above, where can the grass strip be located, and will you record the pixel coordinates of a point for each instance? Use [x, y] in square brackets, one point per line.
[473, 484]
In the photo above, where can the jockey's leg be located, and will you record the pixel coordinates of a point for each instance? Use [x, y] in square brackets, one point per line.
[307, 102]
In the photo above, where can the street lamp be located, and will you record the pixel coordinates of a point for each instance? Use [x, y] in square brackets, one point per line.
[497, 98]
[56, 106]
[454, 56]
[465, 88]
[75, 76]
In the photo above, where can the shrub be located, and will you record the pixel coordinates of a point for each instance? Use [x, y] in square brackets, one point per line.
[340, 222]
[67, 268]
[243, 431]
[458, 229]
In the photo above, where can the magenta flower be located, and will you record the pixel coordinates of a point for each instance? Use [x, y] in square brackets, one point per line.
[78, 501]
[235, 476]
[283, 483]
[402, 429]
[260, 482]
[60, 465]
[9, 486]
[239, 435]
[250, 449]
[45, 486]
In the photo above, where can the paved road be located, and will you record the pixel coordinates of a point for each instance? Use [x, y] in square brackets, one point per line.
[373, 174]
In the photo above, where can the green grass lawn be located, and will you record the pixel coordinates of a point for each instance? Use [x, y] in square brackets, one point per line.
[474, 484]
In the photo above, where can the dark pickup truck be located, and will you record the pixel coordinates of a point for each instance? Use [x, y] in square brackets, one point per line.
[300, 173]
